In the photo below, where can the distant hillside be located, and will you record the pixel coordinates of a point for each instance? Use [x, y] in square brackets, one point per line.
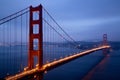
[86, 45]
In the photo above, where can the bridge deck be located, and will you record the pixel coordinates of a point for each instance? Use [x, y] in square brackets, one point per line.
[54, 64]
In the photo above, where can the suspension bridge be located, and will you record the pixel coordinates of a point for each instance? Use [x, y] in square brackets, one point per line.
[32, 43]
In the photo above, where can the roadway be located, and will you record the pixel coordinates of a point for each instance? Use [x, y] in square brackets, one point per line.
[51, 65]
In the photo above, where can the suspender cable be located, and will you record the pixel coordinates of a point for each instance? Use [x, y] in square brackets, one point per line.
[11, 35]
[26, 51]
[57, 32]
[60, 27]
[21, 44]
[14, 42]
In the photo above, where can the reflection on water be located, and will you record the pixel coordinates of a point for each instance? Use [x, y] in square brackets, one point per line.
[110, 70]
[99, 66]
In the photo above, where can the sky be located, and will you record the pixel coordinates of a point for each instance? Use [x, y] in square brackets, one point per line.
[82, 19]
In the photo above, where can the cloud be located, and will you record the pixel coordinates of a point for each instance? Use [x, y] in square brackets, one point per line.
[90, 22]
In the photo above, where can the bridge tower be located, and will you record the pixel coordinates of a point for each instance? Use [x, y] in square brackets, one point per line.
[105, 42]
[35, 38]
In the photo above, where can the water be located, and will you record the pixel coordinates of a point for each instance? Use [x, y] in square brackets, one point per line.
[11, 59]
[79, 69]
[14, 58]
[110, 70]
[74, 70]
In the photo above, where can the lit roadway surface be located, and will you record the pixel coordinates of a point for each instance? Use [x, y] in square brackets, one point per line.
[54, 64]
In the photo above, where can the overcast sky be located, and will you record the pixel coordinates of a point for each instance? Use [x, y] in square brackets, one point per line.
[82, 19]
